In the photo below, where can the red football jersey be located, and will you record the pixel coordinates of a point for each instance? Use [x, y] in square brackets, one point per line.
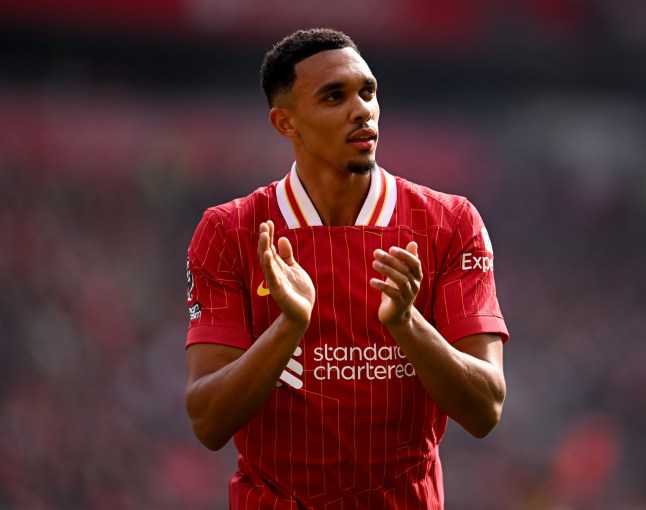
[349, 425]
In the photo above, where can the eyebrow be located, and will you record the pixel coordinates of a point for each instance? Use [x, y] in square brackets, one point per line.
[336, 85]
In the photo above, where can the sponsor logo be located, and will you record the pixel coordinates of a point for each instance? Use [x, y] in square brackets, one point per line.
[262, 289]
[189, 281]
[291, 375]
[195, 311]
[356, 363]
[349, 364]
[487, 240]
[484, 263]
[470, 261]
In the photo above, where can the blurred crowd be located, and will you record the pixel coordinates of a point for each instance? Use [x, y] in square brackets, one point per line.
[102, 186]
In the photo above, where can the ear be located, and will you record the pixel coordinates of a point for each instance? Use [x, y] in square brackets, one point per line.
[282, 122]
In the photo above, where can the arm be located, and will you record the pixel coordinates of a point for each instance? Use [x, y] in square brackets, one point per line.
[226, 386]
[466, 379]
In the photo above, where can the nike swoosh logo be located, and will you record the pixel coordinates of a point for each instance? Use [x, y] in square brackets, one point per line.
[263, 290]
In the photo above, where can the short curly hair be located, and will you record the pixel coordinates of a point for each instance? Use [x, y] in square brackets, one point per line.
[277, 71]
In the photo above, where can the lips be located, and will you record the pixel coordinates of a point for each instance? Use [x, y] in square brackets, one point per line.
[363, 138]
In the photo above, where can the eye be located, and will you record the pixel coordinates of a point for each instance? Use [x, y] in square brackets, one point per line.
[333, 96]
[369, 92]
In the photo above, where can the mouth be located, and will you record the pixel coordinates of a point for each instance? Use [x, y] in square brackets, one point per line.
[363, 139]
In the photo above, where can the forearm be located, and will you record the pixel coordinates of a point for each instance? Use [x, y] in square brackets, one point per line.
[221, 402]
[468, 389]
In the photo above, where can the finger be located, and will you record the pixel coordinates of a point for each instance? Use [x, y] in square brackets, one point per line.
[266, 250]
[266, 231]
[263, 239]
[272, 265]
[285, 251]
[394, 268]
[409, 258]
[270, 225]
[401, 280]
[392, 292]
[265, 255]
[406, 256]
[271, 271]
[412, 248]
[389, 259]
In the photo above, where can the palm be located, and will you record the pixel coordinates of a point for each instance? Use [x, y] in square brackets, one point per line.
[289, 284]
[403, 273]
[389, 310]
[293, 289]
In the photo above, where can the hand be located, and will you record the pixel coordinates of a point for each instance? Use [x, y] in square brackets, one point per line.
[403, 272]
[289, 284]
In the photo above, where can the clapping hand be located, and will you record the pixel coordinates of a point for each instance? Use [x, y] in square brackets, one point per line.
[289, 284]
[403, 272]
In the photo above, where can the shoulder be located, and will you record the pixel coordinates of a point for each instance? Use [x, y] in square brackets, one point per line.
[245, 212]
[444, 208]
[421, 195]
[220, 223]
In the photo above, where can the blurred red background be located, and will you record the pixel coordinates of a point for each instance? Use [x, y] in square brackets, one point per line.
[121, 122]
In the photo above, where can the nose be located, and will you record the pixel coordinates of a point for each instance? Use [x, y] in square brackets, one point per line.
[361, 111]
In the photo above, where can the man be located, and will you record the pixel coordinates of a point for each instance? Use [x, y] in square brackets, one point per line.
[338, 316]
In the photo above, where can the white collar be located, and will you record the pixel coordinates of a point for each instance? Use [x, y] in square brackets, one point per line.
[299, 211]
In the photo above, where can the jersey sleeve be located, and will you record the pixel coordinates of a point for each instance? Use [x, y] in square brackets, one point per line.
[217, 299]
[466, 302]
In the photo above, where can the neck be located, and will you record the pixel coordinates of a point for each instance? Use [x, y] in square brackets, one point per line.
[337, 197]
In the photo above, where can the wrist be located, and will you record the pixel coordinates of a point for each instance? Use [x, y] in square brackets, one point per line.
[400, 323]
[296, 324]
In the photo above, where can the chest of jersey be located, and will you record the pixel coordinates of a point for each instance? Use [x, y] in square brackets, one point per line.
[339, 262]
[345, 343]
[349, 391]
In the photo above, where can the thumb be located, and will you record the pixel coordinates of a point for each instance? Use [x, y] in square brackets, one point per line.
[412, 248]
[285, 251]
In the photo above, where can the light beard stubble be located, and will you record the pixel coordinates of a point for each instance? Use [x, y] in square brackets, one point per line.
[362, 167]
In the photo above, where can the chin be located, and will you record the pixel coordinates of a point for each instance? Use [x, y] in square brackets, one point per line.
[362, 167]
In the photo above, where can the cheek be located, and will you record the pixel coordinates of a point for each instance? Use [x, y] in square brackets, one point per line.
[319, 138]
[322, 131]
[376, 111]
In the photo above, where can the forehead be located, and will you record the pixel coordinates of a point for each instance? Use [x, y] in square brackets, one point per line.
[342, 66]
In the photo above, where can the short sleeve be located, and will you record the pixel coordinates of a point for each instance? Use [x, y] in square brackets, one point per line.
[217, 299]
[465, 301]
